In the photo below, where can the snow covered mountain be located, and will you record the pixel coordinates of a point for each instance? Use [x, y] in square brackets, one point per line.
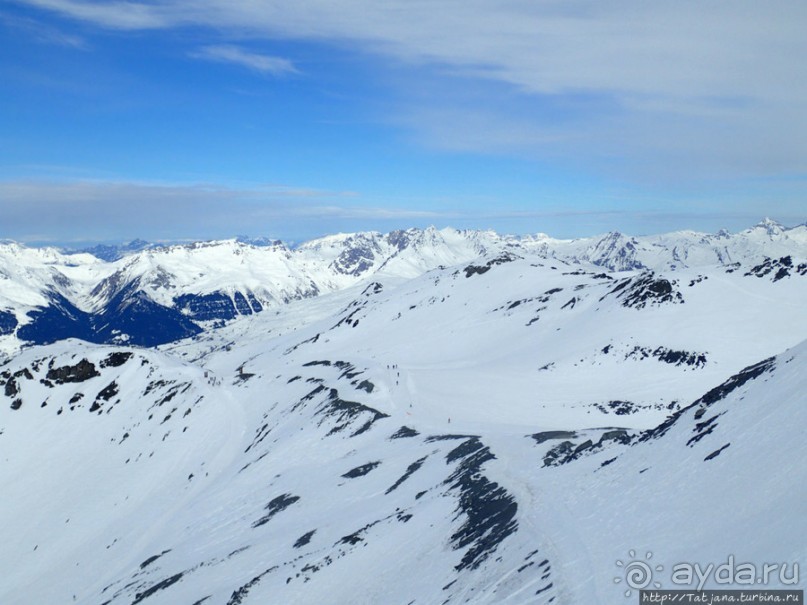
[113, 252]
[161, 294]
[150, 295]
[679, 249]
[424, 428]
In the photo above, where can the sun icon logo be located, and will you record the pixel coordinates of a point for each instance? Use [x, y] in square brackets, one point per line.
[638, 573]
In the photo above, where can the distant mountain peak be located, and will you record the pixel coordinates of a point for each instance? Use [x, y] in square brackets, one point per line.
[261, 242]
[113, 252]
[770, 226]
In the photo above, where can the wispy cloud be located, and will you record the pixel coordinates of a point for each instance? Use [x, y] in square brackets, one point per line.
[111, 196]
[120, 209]
[689, 49]
[114, 15]
[225, 53]
[43, 33]
[97, 210]
[718, 85]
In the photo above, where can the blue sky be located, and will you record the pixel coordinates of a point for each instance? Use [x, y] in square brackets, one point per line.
[176, 120]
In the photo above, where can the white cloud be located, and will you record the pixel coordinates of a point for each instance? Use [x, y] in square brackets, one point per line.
[112, 15]
[720, 85]
[124, 209]
[225, 53]
[95, 210]
[688, 49]
[43, 33]
[107, 196]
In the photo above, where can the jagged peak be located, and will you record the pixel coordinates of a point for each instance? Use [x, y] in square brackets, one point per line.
[771, 226]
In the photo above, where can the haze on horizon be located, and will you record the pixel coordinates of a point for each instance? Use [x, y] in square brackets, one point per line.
[167, 120]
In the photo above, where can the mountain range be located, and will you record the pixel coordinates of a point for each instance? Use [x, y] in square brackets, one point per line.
[420, 417]
[148, 295]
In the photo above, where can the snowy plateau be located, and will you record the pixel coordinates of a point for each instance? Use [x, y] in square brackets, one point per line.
[413, 418]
